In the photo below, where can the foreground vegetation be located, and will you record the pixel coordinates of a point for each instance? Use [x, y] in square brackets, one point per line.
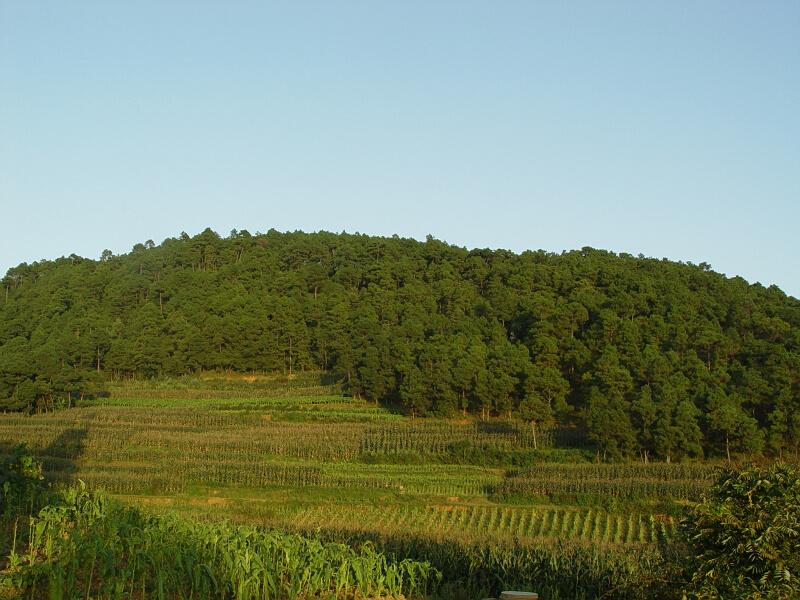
[86, 545]
[648, 358]
[82, 545]
[742, 541]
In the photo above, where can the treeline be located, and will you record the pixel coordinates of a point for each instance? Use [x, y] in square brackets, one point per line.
[650, 357]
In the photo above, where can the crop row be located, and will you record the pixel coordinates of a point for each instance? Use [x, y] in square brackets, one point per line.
[208, 431]
[505, 525]
[619, 488]
[179, 472]
[660, 471]
[470, 522]
[209, 397]
[226, 383]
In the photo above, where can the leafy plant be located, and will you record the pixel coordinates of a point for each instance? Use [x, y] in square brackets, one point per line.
[745, 535]
[21, 481]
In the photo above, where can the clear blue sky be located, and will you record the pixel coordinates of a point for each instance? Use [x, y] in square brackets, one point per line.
[670, 129]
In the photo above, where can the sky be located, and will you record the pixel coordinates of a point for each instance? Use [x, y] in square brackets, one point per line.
[670, 129]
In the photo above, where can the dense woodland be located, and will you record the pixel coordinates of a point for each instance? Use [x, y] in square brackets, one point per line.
[649, 358]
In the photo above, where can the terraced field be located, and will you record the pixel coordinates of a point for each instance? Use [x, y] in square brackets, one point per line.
[501, 523]
[466, 523]
[300, 455]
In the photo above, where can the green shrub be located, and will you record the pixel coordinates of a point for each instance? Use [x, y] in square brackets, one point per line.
[21, 481]
[745, 536]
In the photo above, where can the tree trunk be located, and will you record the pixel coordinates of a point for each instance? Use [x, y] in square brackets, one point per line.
[727, 447]
[533, 429]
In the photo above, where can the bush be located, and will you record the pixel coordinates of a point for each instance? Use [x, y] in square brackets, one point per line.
[745, 536]
[21, 482]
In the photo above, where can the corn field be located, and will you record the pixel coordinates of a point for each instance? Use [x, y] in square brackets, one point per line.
[297, 456]
[674, 481]
[88, 546]
[471, 524]
[166, 450]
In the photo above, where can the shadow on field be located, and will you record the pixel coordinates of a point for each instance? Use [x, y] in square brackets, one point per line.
[60, 458]
[329, 379]
[495, 427]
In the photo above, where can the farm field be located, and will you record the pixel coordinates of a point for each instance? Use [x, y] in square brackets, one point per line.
[296, 455]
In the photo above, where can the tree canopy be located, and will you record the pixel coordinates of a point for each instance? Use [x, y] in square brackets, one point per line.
[650, 357]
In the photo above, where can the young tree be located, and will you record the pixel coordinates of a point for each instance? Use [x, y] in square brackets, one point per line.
[537, 411]
[731, 424]
[412, 392]
[644, 413]
[608, 425]
[547, 382]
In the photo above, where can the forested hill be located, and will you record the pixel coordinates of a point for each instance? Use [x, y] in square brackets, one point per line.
[646, 355]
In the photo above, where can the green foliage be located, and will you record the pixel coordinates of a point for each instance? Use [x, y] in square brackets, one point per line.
[560, 571]
[430, 328]
[729, 422]
[745, 535]
[87, 545]
[21, 481]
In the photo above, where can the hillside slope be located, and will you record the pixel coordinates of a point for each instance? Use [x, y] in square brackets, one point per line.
[648, 355]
